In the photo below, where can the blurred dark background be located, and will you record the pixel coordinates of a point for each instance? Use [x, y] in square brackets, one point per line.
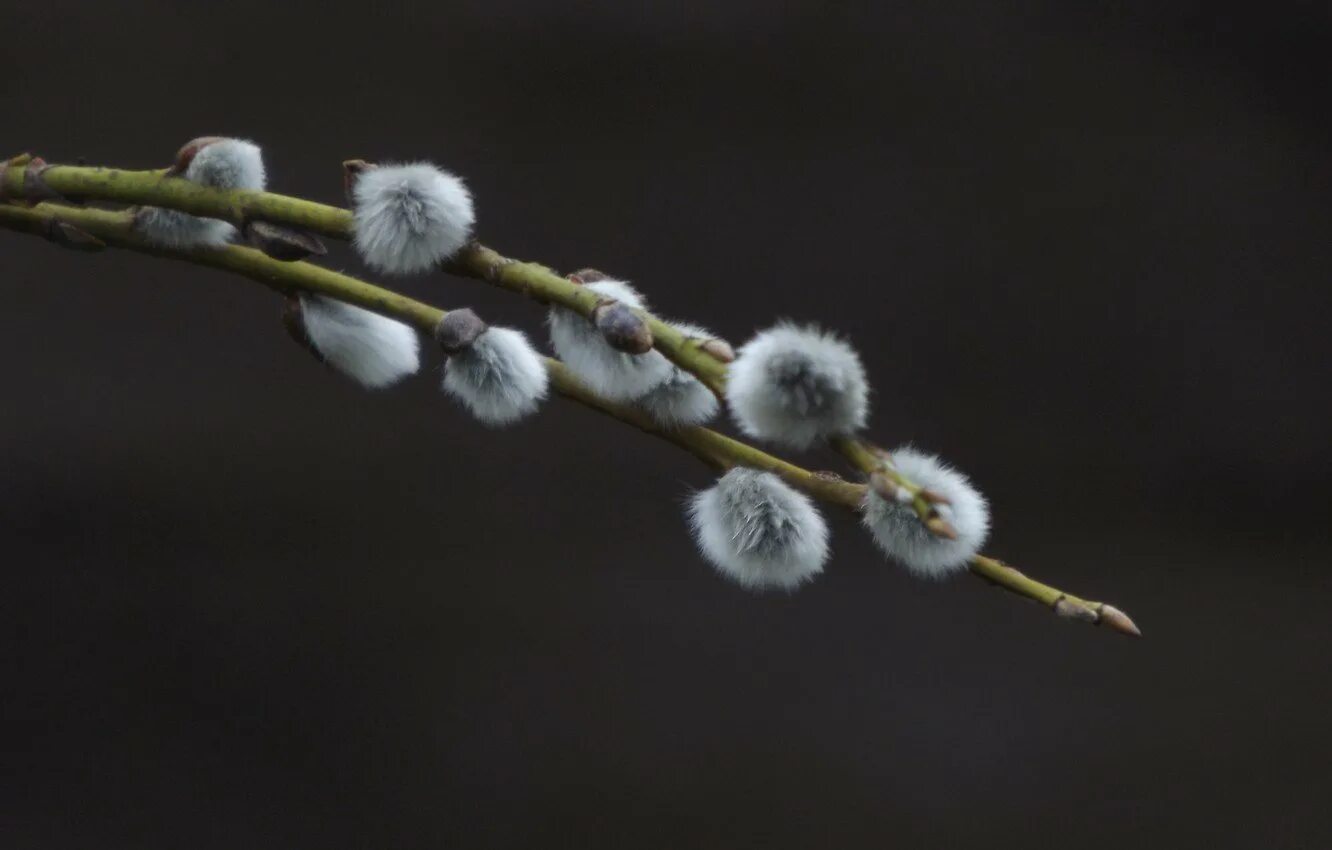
[1083, 248]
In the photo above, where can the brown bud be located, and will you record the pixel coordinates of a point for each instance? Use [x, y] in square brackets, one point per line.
[68, 236]
[884, 486]
[351, 170]
[624, 329]
[282, 243]
[585, 276]
[188, 152]
[1117, 620]
[19, 159]
[1071, 610]
[941, 528]
[718, 349]
[458, 330]
[293, 320]
[934, 497]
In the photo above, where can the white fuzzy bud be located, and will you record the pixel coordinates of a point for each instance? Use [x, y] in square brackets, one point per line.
[797, 385]
[409, 218]
[681, 399]
[499, 377]
[901, 535]
[608, 372]
[373, 350]
[758, 531]
[214, 162]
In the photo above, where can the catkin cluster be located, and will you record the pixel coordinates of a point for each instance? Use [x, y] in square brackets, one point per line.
[791, 385]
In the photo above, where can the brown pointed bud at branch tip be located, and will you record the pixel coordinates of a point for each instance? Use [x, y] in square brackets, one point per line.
[1118, 620]
[351, 170]
[1071, 610]
[586, 276]
[282, 243]
[458, 330]
[68, 236]
[940, 527]
[188, 152]
[294, 322]
[624, 329]
[718, 349]
[19, 159]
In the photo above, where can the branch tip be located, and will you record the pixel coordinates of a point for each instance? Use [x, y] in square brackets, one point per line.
[1110, 616]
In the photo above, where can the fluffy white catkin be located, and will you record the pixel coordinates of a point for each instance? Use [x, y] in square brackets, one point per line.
[500, 378]
[758, 531]
[609, 373]
[681, 399]
[899, 532]
[797, 385]
[371, 349]
[220, 164]
[409, 218]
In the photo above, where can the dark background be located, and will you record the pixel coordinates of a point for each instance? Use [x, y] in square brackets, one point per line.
[1082, 247]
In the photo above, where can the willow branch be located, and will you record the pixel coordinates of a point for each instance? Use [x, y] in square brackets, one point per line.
[238, 206]
[533, 280]
[91, 229]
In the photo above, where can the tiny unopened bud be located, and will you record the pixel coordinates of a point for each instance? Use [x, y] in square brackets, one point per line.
[1118, 620]
[68, 236]
[1070, 610]
[586, 276]
[718, 349]
[283, 243]
[624, 329]
[458, 330]
[352, 169]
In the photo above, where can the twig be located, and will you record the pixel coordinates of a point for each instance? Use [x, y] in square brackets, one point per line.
[90, 228]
